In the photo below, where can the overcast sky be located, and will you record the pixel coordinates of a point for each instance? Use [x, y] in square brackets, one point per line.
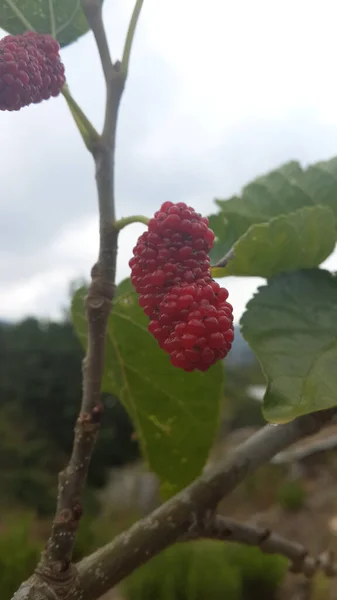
[218, 93]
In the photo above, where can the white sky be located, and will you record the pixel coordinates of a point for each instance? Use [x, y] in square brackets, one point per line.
[219, 92]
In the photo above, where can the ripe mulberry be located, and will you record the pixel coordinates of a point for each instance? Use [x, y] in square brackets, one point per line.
[189, 313]
[30, 70]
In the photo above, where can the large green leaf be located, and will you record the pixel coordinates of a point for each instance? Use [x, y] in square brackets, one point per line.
[281, 191]
[175, 413]
[291, 326]
[65, 16]
[298, 240]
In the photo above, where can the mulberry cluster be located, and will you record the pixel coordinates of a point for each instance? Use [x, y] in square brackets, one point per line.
[189, 313]
[30, 70]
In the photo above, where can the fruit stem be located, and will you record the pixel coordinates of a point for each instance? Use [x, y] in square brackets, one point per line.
[129, 220]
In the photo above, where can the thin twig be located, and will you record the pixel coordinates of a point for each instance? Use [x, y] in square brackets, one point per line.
[169, 522]
[230, 530]
[130, 36]
[328, 444]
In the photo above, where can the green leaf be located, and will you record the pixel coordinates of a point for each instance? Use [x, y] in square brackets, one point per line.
[64, 19]
[124, 287]
[227, 232]
[175, 413]
[281, 191]
[291, 326]
[298, 240]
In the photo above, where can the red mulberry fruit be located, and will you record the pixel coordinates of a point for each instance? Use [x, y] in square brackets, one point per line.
[30, 70]
[189, 313]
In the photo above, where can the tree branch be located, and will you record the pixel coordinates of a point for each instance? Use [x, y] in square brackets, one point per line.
[328, 444]
[230, 530]
[56, 559]
[55, 577]
[172, 520]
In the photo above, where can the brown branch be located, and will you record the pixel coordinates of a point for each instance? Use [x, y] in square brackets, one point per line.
[230, 530]
[55, 577]
[172, 520]
[57, 556]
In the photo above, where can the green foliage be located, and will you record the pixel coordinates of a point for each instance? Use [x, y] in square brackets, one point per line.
[175, 413]
[207, 569]
[25, 470]
[280, 192]
[321, 587]
[291, 326]
[291, 496]
[301, 239]
[261, 574]
[40, 391]
[240, 409]
[209, 575]
[19, 552]
[64, 18]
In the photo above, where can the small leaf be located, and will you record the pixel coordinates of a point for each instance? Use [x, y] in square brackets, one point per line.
[175, 413]
[65, 16]
[291, 326]
[298, 240]
[282, 191]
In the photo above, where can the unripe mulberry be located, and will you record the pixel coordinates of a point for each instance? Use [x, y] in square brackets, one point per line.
[30, 70]
[189, 313]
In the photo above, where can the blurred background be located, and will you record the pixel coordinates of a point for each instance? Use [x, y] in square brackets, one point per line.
[218, 93]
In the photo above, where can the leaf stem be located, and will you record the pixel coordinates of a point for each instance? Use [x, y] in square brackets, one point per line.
[129, 220]
[89, 134]
[130, 36]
